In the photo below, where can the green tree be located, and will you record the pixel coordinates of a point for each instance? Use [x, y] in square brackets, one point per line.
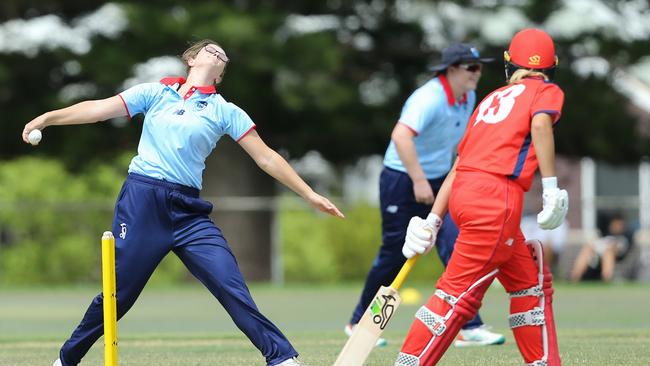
[305, 89]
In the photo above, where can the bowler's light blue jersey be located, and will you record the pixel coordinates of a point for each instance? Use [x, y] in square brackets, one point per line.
[179, 131]
[439, 123]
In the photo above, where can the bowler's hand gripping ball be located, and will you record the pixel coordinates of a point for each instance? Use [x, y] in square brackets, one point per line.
[35, 136]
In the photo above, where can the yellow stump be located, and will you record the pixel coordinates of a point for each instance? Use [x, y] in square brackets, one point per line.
[110, 303]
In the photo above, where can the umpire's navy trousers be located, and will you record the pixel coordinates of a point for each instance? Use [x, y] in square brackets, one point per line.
[398, 205]
[152, 218]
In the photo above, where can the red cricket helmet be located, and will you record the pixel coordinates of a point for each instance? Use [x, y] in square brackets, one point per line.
[531, 49]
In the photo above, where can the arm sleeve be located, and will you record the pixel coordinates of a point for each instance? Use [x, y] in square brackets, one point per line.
[139, 98]
[418, 111]
[237, 123]
[549, 100]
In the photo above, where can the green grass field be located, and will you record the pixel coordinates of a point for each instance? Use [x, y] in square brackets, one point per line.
[597, 325]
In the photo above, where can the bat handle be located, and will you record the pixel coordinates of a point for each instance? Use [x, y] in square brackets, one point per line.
[404, 272]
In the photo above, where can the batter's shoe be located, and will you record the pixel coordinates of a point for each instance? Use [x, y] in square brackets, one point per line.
[480, 336]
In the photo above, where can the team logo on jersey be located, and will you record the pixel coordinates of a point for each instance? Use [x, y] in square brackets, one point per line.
[534, 60]
[200, 105]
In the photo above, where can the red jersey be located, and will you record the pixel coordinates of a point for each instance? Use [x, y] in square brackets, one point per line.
[498, 139]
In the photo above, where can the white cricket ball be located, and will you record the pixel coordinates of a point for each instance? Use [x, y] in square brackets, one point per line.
[34, 137]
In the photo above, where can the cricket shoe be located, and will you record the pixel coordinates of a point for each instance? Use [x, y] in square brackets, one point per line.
[480, 336]
[57, 362]
[294, 361]
[381, 342]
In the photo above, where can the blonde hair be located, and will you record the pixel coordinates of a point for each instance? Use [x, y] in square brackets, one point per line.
[194, 50]
[521, 74]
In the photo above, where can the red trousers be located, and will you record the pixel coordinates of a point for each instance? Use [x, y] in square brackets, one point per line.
[487, 209]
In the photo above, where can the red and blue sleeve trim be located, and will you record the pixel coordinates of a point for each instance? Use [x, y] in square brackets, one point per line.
[246, 133]
[409, 127]
[128, 114]
[554, 113]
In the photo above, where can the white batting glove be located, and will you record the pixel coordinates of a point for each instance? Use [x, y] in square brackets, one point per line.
[421, 235]
[555, 206]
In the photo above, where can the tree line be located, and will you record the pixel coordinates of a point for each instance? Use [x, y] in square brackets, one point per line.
[336, 87]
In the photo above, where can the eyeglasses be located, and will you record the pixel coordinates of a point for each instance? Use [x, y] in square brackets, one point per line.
[471, 67]
[218, 54]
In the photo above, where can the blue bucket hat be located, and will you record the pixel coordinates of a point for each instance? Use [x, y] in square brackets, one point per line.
[459, 53]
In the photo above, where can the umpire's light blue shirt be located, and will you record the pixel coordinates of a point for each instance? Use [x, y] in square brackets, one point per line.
[438, 121]
[180, 131]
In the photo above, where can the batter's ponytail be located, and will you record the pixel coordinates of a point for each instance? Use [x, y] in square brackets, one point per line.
[521, 74]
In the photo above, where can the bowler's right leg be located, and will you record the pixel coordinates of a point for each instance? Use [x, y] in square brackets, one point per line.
[140, 244]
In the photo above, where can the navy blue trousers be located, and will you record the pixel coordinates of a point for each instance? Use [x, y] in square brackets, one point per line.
[152, 218]
[398, 205]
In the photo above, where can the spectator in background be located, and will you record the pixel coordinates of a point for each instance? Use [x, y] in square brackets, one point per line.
[552, 240]
[597, 260]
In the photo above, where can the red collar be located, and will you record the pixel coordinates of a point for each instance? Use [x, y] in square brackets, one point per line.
[207, 89]
[450, 93]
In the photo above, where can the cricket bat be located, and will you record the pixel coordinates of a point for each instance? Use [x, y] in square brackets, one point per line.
[374, 320]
